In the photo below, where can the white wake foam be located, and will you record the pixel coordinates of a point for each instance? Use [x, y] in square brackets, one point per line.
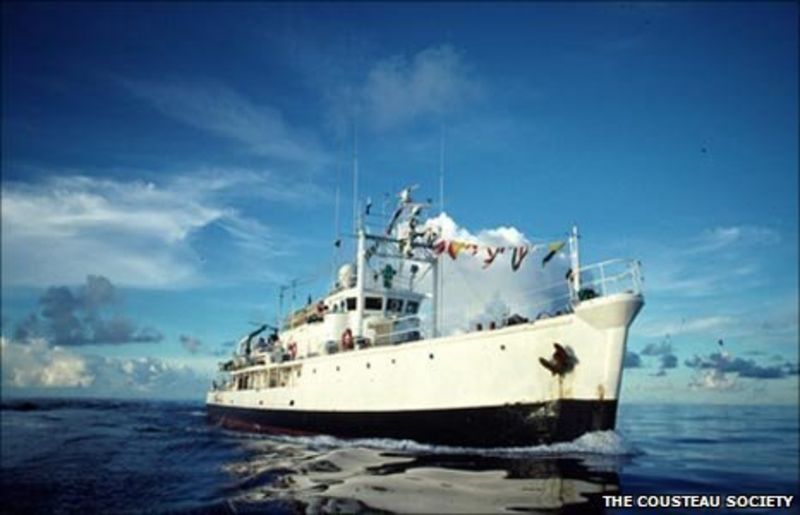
[607, 443]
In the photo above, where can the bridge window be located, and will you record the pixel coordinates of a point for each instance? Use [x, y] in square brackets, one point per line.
[395, 305]
[351, 304]
[412, 307]
[374, 303]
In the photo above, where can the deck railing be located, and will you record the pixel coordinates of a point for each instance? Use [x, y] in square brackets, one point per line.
[610, 277]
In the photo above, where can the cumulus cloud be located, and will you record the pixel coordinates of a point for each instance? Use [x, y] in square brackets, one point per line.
[720, 370]
[36, 364]
[61, 229]
[77, 317]
[632, 360]
[473, 294]
[219, 110]
[714, 380]
[668, 361]
[657, 349]
[37, 367]
[663, 351]
[726, 363]
[434, 82]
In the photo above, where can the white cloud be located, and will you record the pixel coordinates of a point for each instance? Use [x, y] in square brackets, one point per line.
[714, 380]
[146, 375]
[67, 228]
[219, 110]
[37, 367]
[717, 261]
[62, 229]
[432, 83]
[235, 183]
[719, 238]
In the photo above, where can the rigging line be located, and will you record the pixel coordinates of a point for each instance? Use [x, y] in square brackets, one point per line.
[308, 278]
[337, 230]
[427, 270]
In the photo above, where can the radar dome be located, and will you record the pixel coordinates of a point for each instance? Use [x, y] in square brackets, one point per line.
[347, 276]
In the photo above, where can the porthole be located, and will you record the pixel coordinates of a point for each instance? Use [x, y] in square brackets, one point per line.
[291, 403]
[393, 361]
[502, 347]
[430, 355]
[337, 368]
[368, 365]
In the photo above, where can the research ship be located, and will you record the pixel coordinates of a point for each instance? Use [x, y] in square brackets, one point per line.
[370, 359]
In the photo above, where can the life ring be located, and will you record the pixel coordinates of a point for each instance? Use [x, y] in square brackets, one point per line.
[292, 348]
[347, 339]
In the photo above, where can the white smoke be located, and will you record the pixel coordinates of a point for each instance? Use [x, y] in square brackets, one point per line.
[474, 294]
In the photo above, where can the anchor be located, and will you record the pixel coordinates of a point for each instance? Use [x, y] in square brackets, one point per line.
[562, 361]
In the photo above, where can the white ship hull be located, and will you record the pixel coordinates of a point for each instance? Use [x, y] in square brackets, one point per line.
[487, 388]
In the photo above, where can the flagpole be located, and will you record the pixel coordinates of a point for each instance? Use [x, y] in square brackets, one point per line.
[439, 274]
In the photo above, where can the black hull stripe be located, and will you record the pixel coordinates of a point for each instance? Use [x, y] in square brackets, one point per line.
[513, 425]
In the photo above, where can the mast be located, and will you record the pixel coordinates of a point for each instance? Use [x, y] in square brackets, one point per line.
[281, 293]
[575, 264]
[361, 264]
[435, 297]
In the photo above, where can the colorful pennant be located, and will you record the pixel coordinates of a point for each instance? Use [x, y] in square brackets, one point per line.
[552, 250]
[518, 254]
[492, 253]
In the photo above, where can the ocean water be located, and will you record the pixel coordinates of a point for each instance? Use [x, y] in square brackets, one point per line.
[79, 456]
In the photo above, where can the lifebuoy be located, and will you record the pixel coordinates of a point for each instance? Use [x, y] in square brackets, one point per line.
[347, 339]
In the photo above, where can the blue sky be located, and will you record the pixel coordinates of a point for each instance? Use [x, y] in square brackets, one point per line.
[186, 156]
